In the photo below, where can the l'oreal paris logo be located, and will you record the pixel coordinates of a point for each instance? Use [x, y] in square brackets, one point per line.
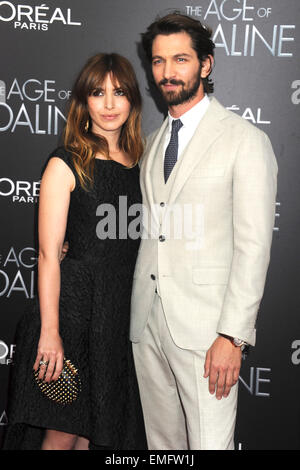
[36, 18]
[6, 353]
[20, 191]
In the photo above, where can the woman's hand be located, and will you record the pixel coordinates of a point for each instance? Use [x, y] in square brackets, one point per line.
[50, 350]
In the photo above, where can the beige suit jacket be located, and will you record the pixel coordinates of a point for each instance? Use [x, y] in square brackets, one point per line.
[210, 279]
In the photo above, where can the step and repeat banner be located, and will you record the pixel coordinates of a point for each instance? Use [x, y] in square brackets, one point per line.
[256, 75]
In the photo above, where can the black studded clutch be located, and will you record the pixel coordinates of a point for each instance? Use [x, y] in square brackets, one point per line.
[65, 389]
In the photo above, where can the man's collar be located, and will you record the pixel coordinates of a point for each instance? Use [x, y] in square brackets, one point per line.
[193, 116]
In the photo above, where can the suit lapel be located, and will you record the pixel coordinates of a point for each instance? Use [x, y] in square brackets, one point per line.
[148, 162]
[210, 128]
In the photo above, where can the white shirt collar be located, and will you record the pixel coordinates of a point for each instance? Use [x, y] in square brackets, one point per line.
[193, 116]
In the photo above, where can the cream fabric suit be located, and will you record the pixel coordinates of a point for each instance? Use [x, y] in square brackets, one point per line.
[212, 281]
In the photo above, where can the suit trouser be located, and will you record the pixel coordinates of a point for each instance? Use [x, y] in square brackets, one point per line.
[179, 411]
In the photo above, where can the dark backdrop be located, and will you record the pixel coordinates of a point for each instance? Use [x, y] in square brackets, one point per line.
[257, 75]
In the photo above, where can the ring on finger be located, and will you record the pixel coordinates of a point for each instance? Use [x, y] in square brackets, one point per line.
[44, 363]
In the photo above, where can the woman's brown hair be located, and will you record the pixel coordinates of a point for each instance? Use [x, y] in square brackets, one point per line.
[81, 142]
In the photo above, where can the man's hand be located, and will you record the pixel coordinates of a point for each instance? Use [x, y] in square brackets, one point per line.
[64, 250]
[222, 366]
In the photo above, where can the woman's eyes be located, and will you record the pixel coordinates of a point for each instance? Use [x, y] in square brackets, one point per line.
[117, 92]
[97, 93]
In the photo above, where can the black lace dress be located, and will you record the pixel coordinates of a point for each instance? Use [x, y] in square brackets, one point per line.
[96, 281]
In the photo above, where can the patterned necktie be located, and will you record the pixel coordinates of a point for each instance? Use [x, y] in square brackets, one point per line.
[172, 149]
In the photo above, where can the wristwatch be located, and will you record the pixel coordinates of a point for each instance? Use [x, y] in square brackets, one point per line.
[239, 343]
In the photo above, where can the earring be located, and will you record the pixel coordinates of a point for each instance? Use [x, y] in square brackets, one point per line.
[86, 127]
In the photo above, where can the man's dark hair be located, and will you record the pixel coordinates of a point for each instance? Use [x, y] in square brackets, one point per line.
[177, 23]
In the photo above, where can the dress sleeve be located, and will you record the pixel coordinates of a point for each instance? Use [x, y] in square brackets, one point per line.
[66, 156]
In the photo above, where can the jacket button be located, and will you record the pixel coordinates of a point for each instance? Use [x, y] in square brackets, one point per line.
[153, 277]
[162, 204]
[161, 238]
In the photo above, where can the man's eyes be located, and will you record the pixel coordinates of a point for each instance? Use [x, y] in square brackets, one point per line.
[178, 59]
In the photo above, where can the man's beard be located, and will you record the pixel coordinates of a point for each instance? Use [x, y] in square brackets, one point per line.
[174, 98]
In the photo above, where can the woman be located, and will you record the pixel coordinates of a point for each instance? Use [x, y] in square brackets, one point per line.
[84, 302]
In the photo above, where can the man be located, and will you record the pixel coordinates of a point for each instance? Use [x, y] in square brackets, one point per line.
[196, 296]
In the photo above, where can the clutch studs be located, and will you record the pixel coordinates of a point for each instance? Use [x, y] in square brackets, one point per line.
[67, 387]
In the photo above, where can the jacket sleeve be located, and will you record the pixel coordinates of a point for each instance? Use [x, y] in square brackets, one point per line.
[254, 197]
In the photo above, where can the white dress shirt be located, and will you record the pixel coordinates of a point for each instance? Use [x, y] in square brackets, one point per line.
[190, 121]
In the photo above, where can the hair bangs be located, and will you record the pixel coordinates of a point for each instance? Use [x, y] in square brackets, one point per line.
[78, 138]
